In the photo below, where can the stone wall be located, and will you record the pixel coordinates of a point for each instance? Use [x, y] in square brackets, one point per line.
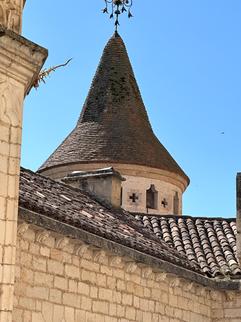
[20, 62]
[139, 178]
[62, 280]
[10, 137]
[166, 195]
[229, 309]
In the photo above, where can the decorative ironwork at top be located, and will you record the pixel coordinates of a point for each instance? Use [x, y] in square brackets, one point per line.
[118, 7]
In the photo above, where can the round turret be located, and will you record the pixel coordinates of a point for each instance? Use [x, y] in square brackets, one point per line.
[114, 130]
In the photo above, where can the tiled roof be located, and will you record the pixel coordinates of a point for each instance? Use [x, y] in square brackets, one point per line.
[114, 126]
[208, 242]
[73, 207]
[203, 245]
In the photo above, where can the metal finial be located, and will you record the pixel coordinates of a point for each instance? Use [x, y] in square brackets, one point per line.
[117, 8]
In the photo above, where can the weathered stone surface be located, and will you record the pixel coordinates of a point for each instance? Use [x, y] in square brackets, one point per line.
[19, 66]
[129, 297]
[104, 183]
[11, 14]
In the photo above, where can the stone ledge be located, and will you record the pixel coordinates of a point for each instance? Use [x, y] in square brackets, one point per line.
[24, 41]
[136, 170]
[31, 55]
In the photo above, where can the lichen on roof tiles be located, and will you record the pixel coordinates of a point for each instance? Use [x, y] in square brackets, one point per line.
[113, 125]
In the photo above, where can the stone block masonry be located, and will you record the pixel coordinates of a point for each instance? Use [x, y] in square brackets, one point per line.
[10, 134]
[18, 65]
[58, 279]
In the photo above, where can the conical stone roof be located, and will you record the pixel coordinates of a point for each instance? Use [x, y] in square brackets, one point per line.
[113, 126]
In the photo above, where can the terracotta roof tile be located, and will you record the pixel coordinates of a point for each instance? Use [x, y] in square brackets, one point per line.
[211, 243]
[203, 245]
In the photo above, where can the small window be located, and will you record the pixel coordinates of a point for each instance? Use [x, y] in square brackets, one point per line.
[121, 196]
[176, 204]
[151, 197]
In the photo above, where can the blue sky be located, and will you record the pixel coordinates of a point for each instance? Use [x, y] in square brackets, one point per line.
[186, 58]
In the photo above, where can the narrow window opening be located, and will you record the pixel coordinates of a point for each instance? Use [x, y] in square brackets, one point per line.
[121, 196]
[151, 198]
[176, 204]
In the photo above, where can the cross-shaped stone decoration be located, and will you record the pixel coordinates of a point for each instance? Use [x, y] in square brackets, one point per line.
[134, 197]
[164, 203]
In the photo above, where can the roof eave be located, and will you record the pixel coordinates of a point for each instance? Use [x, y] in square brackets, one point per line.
[119, 249]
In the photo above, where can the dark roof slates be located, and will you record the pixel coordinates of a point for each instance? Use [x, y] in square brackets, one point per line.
[114, 125]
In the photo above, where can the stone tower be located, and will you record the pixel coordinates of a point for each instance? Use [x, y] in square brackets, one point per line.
[114, 130]
[20, 62]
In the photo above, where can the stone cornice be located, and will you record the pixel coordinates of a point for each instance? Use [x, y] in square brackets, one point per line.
[156, 264]
[20, 59]
[60, 171]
